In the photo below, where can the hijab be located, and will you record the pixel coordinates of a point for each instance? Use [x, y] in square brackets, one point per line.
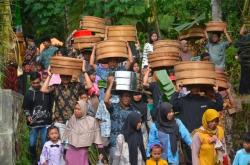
[168, 126]
[83, 131]
[209, 115]
[133, 137]
[142, 108]
[84, 107]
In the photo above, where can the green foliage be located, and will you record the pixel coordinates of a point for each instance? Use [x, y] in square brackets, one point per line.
[22, 141]
[233, 67]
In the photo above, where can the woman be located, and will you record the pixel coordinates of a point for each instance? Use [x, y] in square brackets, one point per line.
[208, 141]
[81, 132]
[130, 149]
[148, 47]
[168, 131]
[141, 106]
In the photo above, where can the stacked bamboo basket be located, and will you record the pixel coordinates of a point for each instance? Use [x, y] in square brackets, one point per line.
[66, 65]
[166, 54]
[195, 72]
[192, 33]
[216, 26]
[95, 25]
[115, 45]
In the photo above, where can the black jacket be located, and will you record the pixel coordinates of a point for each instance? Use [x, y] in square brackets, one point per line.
[38, 105]
[191, 108]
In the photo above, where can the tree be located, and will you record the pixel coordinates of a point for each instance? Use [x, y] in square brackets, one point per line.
[216, 10]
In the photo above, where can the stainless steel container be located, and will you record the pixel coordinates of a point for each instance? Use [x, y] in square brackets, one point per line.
[125, 80]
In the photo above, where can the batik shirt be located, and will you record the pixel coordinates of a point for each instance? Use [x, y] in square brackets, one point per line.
[103, 73]
[118, 116]
[103, 115]
[65, 100]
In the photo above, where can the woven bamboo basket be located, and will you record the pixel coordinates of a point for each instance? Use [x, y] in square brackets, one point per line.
[195, 72]
[122, 33]
[94, 24]
[111, 49]
[166, 54]
[192, 33]
[216, 26]
[66, 65]
[222, 80]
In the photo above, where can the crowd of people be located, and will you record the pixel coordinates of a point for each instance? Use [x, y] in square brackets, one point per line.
[127, 127]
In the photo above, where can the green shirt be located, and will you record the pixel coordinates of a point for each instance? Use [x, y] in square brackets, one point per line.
[217, 53]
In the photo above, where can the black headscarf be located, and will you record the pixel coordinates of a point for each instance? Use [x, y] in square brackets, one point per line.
[168, 126]
[142, 108]
[133, 137]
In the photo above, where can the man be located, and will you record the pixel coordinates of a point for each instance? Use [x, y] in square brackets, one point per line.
[37, 107]
[113, 65]
[47, 52]
[118, 113]
[65, 96]
[244, 58]
[192, 106]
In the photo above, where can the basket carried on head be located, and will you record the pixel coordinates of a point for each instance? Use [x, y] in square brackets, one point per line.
[193, 33]
[111, 49]
[166, 53]
[66, 65]
[121, 33]
[195, 72]
[94, 24]
[216, 26]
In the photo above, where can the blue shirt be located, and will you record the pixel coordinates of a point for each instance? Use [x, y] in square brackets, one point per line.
[103, 115]
[156, 136]
[118, 116]
[103, 73]
[242, 158]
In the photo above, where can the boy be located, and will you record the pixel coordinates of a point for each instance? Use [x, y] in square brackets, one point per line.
[216, 49]
[243, 155]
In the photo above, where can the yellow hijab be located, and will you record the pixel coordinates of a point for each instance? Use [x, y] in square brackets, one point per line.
[209, 115]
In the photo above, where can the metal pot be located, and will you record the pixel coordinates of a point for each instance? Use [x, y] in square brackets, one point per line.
[125, 80]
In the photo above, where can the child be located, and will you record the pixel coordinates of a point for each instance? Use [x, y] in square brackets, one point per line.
[52, 153]
[216, 49]
[243, 155]
[155, 158]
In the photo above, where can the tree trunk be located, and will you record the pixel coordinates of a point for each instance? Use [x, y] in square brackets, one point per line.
[216, 10]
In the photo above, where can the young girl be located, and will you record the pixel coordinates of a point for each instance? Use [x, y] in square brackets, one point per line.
[155, 155]
[52, 153]
[148, 47]
[81, 132]
[129, 148]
